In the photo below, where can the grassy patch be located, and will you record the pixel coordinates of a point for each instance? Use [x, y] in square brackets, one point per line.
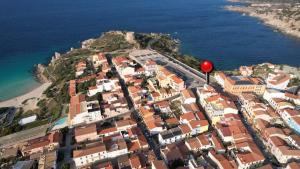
[109, 42]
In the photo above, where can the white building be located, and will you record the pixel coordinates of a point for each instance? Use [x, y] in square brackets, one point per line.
[278, 81]
[81, 111]
[89, 155]
[282, 152]
[273, 93]
[170, 136]
[27, 120]
[117, 149]
[188, 97]
[98, 59]
[220, 78]
[102, 86]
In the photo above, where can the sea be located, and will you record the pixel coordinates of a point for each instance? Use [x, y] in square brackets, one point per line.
[32, 30]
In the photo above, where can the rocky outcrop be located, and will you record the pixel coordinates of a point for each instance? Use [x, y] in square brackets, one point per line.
[285, 18]
[55, 58]
[39, 73]
[85, 44]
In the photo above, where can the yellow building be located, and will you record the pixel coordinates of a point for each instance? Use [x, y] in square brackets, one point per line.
[237, 85]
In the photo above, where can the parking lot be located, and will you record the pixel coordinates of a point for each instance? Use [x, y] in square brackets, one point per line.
[191, 80]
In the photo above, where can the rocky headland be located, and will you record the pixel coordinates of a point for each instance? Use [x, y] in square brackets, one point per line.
[282, 15]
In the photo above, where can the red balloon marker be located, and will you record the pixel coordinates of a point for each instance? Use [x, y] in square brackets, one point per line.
[206, 67]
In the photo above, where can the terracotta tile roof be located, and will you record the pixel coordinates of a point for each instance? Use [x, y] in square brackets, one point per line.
[40, 144]
[204, 123]
[155, 94]
[176, 79]
[251, 156]
[217, 143]
[88, 129]
[279, 78]
[142, 140]
[150, 62]
[292, 112]
[296, 119]
[288, 151]
[86, 78]
[185, 129]
[133, 146]
[74, 107]
[191, 107]
[203, 140]
[188, 116]
[145, 112]
[165, 71]
[89, 150]
[277, 141]
[172, 152]
[193, 143]
[134, 89]
[291, 95]
[271, 131]
[268, 166]
[162, 104]
[44, 141]
[72, 88]
[105, 165]
[200, 115]
[228, 104]
[214, 98]
[119, 60]
[159, 164]
[108, 130]
[126, 122]
[187, 93]
[172, 121]
[261, 124]
[195, 123]
[152, 124]
[223, 161]
[294, 165]
[135, 161]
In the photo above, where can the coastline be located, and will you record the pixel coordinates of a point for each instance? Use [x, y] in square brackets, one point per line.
[29, 99]
[270, 19]
[32, 95]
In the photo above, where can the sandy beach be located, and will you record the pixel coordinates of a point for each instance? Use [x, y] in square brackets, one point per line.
[31, 96]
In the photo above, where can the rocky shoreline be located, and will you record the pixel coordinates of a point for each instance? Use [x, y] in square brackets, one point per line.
[273, 17]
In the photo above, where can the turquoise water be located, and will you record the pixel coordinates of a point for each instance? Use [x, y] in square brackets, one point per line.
[32, 30]
[61, 121]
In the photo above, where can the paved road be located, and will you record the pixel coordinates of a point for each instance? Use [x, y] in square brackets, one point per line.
[23, 135]
[194, 71]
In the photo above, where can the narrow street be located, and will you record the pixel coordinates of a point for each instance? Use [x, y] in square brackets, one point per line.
[135, 113]
[254, 135]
